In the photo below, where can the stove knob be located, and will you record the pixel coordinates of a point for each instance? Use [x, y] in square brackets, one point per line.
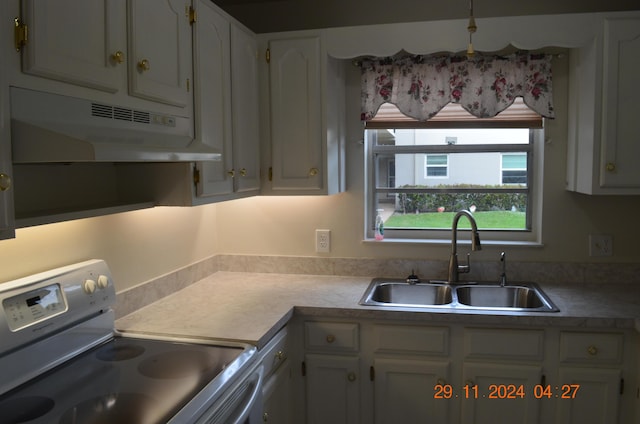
[103, 282]
[89, 286]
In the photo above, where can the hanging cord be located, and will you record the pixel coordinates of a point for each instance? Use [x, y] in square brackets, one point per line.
[471, 28]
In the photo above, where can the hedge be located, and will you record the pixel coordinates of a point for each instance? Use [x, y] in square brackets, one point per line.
[430, 202]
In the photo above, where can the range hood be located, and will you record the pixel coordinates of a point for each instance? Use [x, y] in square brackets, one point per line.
[49, 128]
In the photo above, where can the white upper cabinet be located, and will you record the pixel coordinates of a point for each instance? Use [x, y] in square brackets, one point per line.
[6, 170]
[305, 116]
[603, 130]
[246, 110]
[160, 50]
[226, 105]
[212, 73]
[124, 51]
[80, 43]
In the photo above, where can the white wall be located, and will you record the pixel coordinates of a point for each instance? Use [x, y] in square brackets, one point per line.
[138, 246]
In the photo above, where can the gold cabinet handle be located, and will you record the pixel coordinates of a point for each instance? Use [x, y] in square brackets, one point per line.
[118, 57]
[441, 381]
[331, 338]
[243, 172]
[313, 172]
[351, 376]
[265, 417]
[280, 355]
[592, 350]
[143, 65]
[610, 167]
[5, 182]
[231, 173]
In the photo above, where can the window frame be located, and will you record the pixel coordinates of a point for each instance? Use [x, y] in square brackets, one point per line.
[530, 236]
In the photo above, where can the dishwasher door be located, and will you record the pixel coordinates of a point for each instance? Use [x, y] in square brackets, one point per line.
[241, 403]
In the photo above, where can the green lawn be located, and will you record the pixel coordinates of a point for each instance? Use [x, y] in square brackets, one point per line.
[493, 219]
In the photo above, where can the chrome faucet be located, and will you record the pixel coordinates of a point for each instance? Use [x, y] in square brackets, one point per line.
[454, 268]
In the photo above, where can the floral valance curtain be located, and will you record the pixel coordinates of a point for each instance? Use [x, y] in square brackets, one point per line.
[484, 85]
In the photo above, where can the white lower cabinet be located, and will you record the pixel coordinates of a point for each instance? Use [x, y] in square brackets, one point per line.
[499, 393]
[404, 391]
[332, 385]
[596, 398]
[276, 396]
[276, 391]
[593, 363]
[383, 373]
[332, 372]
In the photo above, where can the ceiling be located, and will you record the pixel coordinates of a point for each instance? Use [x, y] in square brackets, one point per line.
[289, 15]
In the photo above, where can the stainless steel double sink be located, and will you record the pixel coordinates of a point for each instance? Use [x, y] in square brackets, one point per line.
[519, 297]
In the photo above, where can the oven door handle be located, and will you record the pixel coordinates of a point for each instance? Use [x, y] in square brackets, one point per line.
[245, 410]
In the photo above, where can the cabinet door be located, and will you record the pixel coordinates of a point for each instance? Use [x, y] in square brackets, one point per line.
[296, 114]
[484, 409]
[332, 384]
[78, 42]
[276, 396]
[597, 399]
[160, 50]
[620, 130]
[404, 391]
[6, 172]
[245, 113]
[213, 98]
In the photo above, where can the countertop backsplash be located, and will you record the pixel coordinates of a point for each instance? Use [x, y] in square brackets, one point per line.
[544, 273]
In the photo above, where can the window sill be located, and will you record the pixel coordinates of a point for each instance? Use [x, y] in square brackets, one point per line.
[447, 242]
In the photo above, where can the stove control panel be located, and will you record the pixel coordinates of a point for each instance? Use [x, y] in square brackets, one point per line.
[44, 304]
[36, 305]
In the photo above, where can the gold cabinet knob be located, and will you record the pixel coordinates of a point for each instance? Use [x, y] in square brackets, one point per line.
[313, 172]
[231, 173]
[592, 350]
[243, 172]
[469, 383]
[265, 417]
[5, 182]
[610, 167]
[117, 57]
[331, 338]
[143, 65]
[351, 376]
[441, 381]
[280, 355]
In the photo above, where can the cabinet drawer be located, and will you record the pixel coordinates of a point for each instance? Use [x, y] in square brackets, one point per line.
[405, 339]
[275, 353]
[591, 347]
[335, 336]
[509, 344]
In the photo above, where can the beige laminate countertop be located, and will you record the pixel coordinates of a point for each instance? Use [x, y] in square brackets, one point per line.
[252, 307]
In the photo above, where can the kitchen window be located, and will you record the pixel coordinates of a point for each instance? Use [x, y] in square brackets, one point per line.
[492, 169]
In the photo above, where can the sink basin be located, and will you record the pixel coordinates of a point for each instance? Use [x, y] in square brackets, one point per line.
[409, 294]
[501, 297]
[521, 297]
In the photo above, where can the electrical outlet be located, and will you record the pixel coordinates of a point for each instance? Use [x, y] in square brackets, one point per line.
[600, 245]
[323, 241]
